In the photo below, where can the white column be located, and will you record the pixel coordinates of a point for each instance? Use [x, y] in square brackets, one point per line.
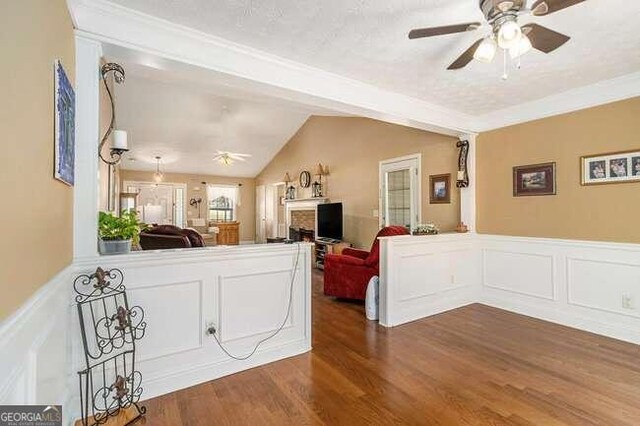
[86, 191]
[468, 194]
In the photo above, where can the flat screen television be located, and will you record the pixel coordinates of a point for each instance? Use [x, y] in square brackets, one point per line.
[330, 221]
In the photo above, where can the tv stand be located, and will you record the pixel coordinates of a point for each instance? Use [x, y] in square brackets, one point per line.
[324, 246]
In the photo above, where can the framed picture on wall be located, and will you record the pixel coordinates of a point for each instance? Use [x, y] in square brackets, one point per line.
[64, 126]
[614, 167]
[440, 189]
[534, 179]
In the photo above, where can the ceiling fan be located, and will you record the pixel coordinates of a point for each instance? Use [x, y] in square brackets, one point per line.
[226, 158]
[502, 16]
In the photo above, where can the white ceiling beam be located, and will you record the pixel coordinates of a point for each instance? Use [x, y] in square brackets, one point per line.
[114, 24]
[154, 37]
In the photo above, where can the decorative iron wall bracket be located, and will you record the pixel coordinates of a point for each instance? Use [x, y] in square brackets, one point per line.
[462, 179]
[118, 76]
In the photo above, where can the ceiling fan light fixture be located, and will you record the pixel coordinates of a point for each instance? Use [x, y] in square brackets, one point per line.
[486, 51]
[523, 46]
[509, 34]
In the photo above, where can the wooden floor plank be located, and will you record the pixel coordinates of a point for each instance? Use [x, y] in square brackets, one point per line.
[475, 365]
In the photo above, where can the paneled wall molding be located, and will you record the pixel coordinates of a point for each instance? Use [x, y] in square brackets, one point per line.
[593, 286]
[34, 347]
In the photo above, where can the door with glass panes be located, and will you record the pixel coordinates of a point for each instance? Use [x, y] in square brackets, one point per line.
[400, 192]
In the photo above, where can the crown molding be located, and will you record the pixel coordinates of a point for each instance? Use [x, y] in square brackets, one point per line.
[603, 92]
[120, 26]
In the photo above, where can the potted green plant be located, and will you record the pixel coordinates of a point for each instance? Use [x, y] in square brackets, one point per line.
[117, 233]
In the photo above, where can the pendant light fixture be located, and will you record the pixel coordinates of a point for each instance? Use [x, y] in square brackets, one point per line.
[158, 176]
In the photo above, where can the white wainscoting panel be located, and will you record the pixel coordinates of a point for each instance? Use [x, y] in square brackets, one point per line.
[421, 276]
[580, 284]
[530, 274]
[34, 347]
[242, 291]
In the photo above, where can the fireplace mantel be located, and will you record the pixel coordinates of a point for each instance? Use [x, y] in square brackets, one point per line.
[302, 204]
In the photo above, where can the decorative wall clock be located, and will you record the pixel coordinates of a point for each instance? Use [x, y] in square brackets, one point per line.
[305, 179]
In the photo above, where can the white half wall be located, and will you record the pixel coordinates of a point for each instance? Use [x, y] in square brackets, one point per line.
[242, 291]
[426, 275]
[591, 286]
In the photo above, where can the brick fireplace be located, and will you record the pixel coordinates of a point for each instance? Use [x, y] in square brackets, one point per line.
[301, 218]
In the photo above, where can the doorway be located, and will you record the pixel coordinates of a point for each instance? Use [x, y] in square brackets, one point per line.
[399, 199]
[160, 203]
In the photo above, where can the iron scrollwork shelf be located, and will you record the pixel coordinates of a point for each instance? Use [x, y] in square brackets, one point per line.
[110, 329]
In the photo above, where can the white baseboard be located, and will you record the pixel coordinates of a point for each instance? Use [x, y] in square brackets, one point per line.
[185, 376]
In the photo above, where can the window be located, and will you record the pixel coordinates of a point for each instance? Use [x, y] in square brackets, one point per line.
[222, 202]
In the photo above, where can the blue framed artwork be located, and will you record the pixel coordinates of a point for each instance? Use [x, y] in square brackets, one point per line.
[65, 126]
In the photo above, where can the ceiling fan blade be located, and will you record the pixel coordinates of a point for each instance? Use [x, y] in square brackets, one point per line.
[546, 7]
[447, 29]
[544, 39]
[466, 57]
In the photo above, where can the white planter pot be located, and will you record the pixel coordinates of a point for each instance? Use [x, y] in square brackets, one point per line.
[114, 246]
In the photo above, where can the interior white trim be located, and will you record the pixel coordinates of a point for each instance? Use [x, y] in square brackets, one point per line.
[155, 37]
[113, 24]
[580, 284]
[603, 92]
[34, 348]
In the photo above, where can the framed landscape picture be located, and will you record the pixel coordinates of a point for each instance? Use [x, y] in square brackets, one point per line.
[64, 126]
[615, 167]
[440, 189]
[534, 179]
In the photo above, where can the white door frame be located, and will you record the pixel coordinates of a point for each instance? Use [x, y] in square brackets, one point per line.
[413, 161]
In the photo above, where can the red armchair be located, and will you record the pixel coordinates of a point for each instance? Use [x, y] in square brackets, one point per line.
[346, 275]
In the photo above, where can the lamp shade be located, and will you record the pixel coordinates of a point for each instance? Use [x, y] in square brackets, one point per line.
[509, 34]
[319, 171]
[287, 178]
[523, 46]
[120, 140]
[486, 51]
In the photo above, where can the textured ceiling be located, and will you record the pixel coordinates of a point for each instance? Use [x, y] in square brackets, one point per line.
[185, 122]
[367, 40]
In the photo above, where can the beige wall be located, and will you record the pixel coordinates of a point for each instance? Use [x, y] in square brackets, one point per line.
[37, 209]
[246, 212]
[353, 148]
[600, 212]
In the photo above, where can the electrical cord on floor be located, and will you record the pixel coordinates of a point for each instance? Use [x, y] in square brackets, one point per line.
[212, 330]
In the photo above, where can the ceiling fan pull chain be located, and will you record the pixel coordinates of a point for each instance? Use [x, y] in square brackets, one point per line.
[504, 65]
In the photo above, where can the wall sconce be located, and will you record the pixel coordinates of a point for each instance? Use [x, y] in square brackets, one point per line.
[290, 191]
[119, 145]
[316, 188]
[462, 178]
[195, 202]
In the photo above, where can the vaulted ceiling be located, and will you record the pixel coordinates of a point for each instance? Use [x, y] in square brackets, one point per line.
[185, 120]
[367, 41]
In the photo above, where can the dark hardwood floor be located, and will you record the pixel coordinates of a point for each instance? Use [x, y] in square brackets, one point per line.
[474, 365]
